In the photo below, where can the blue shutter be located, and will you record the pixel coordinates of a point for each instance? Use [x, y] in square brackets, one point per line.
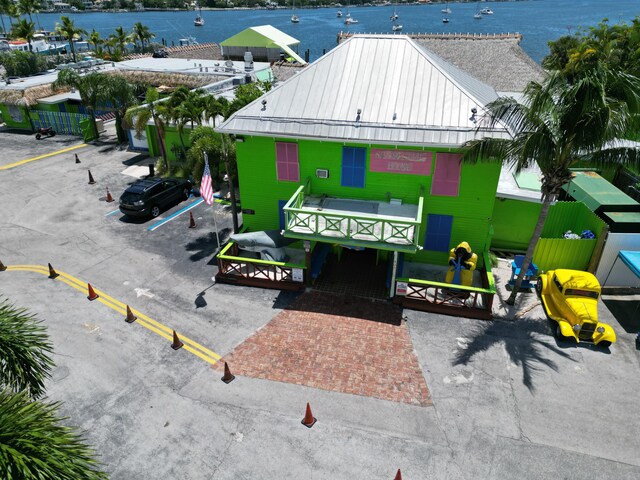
[281, 204]
[438, 235]
[353, 167]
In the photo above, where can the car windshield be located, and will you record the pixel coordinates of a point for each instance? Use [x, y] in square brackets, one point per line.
[574, 292]
[129, 197]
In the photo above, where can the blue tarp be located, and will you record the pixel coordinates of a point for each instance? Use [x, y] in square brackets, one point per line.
[632, 260]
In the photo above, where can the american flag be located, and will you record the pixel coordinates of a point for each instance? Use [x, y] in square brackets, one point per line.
[206, 191]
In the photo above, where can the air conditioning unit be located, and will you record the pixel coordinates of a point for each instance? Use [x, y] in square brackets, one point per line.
[322, 173]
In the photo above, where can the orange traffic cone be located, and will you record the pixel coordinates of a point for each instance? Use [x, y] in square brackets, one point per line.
[227, 378]
[192, 222]
[130, 316]
[92, 294]
[309, 420]
[177, 344]
[3, 267]
[52, 272]
[109, 197]
[91, 180]
[398, 475]
[77, 159]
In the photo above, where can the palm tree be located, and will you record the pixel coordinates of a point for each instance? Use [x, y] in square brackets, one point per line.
[141, 32]
[561, 124]
[122, 96]
[121, 39]
[91, 87]
[27, 7]
[25, 350]
[36, 445]
[68, 30]
[95, 40]
[25, 29]
[151, 110]
[214, 108]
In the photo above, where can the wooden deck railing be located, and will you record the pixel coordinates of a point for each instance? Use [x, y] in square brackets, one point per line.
[256, 272]
[439, 297]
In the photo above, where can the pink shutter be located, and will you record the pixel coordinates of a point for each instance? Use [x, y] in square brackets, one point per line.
[292, 160]
[281, 161]
[446, 178]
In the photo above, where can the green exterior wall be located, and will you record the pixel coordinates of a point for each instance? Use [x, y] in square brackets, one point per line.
[513, 223]
[171, 140]
[260, 190]
[8, 120]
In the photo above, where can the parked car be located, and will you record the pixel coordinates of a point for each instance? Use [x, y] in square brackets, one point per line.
[161, 53]
[148, 197]
[570, 298]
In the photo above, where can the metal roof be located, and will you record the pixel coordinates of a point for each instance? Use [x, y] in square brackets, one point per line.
[385, 89]
[595, 192]
[269, 35]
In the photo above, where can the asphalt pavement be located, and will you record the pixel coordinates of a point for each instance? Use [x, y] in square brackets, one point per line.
[509, 401]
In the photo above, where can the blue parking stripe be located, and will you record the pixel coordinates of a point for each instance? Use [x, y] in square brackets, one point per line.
[112, 213]
[174, 215]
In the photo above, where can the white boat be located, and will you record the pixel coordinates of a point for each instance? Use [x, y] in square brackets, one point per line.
[486, 11]
[394, 17]
[199, 21]
[295, 19]
[477, 16]
[39, 44]
[339, 13]
[445, 20]
[184, 42]
[396, 28]
[350, 21]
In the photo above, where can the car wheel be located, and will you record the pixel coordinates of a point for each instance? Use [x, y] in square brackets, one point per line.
[604, 344]
[155, 211]
[557, 332]
[185, 194]
[539, 286]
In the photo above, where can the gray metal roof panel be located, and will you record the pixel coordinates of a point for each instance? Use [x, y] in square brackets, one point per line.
[382, 76]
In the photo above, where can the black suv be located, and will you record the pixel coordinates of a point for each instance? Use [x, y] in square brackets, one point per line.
[148, 197]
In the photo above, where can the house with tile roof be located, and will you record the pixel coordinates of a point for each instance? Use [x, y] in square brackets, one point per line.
[358, 156]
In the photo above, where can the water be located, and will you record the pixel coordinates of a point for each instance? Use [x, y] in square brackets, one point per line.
[538, 20]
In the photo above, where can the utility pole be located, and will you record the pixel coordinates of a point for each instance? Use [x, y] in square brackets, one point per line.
[232, 190]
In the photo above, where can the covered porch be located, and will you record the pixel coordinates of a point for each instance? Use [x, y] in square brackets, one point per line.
[387, 225]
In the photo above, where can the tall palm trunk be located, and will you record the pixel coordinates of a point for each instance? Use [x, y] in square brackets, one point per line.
[537, 232]
[122, 137]
[73, 50]
[160, 137]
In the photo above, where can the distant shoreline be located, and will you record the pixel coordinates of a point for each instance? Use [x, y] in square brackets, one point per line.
[317, 7]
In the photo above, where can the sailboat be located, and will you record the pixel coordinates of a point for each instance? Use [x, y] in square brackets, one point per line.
[396, 27]
[395, 15]
[348, 20]
[339, 13]
[294, 17]
[199, 21]
[446, 10]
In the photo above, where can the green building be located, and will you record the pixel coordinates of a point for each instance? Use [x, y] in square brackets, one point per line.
[360, 152]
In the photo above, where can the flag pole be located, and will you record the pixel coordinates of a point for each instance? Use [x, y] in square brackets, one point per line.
[215, 222]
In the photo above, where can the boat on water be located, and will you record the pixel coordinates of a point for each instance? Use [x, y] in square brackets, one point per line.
[396, 28]
[199, 21]
[486, 11]
[187, 41]
[445, 20]
[394, 17]
[39, 44]
[349, 20]
[294, 17]
[477, 16]
[339, 13]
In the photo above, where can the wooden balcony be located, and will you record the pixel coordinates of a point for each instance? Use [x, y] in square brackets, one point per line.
[386, 225]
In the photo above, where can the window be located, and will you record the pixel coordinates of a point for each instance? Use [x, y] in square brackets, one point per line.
[353, 167]
[287, 162]
[446, 177]
[438, 233]
[281, 204]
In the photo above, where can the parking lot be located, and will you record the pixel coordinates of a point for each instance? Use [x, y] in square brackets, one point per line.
[508, 400]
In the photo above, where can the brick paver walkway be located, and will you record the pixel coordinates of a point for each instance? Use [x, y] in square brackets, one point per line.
[337, 343]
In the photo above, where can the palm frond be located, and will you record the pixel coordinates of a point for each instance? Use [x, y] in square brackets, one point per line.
[35, 445]
[25, 351]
